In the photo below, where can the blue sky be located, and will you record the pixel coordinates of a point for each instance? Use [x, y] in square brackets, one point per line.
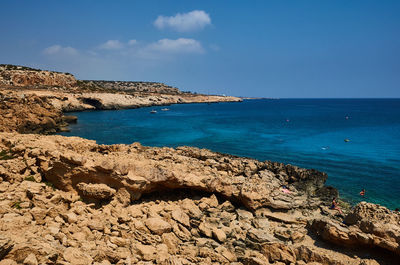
[244, 48]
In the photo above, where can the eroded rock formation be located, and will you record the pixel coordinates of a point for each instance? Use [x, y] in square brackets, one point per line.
[142, 170]
[26, 113]
[67, 200]
[367, 225]
[20, 76]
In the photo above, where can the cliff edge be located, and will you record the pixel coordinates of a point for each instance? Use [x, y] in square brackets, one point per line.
[21, 76]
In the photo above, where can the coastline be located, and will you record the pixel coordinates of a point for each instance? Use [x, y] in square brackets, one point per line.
[238, 212]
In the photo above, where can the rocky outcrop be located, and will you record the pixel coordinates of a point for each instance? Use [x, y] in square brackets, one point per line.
[142, 170]
[367, 225]
[41, 111]
[20, 76]
[25, 113]
[57, 227]
[65, 93]
[110, 101]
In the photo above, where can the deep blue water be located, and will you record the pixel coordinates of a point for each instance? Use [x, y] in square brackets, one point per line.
[306, 132]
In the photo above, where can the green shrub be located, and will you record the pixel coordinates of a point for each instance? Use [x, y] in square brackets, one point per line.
[30, 178]
[17, 205]
[49, 184]
[5, 155]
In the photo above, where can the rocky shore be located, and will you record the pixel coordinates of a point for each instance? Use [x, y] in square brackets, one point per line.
[33, 100]
[68, 200]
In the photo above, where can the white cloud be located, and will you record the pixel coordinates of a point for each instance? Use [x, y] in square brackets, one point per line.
[181, 45]
[111, 45]
[132, 42]
[115, 51]
[192, 21]
[58, 49]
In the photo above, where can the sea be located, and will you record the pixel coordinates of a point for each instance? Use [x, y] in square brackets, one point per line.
[355, 141]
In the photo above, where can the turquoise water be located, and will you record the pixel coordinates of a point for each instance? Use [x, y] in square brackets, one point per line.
[306, 132]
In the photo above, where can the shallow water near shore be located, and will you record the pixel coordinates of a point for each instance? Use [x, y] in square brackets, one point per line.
[308, 133]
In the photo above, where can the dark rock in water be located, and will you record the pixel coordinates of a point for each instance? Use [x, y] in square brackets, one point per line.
[70, 119]
[64, 129]
[327, 193]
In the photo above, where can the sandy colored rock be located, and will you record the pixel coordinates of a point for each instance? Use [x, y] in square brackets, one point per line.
[279, 252]
[181, 217]
[71, 217]
[171, 241]
[76, 256]
[96, 191]
[31, 260]
[260, 236]
[369, 225]
[98, 177]
[20, 76]
[219, 234]
[123, 197]
[206, 229]
[146, 252]
[28, 114]
[8, 262]
[158, 225]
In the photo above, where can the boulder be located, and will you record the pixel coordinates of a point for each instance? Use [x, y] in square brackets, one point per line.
[146, 252]
[70, 119]
[31, 260]
[96, 191]
[260, 236]
[370, 225]
[181, 217]
[76, 256]
[278, 252]
[8, 262]
[158, 225]
[219, 235]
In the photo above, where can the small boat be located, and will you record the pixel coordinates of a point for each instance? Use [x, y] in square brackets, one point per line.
[346, 140]
[165, 109]
[153, 111]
